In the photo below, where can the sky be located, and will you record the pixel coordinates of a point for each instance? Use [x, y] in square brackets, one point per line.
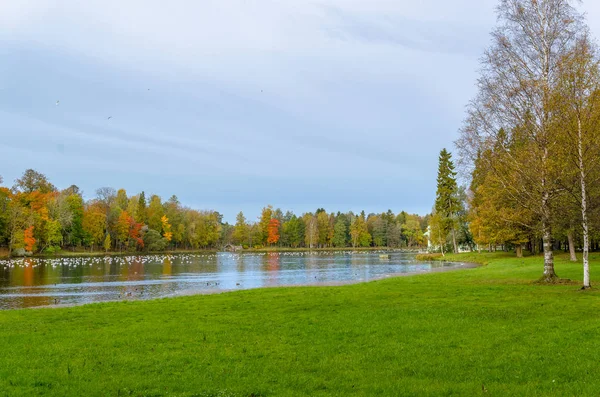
[235, 104]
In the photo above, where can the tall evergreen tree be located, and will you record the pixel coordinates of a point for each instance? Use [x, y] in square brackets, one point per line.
[340, 231]
[446, 201]
[142, 216]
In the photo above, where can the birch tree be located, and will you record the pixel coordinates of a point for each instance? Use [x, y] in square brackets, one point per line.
[518, 75]
[578, 98]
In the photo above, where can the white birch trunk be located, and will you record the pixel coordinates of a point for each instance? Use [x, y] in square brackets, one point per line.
[584, 220]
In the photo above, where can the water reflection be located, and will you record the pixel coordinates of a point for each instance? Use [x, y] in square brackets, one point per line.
[38, 282]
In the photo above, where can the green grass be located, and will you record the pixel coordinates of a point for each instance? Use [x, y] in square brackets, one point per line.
[452, 333]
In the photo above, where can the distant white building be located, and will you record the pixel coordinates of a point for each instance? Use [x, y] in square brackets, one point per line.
[427, 235]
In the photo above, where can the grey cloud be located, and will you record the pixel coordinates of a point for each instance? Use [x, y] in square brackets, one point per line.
[396, 29]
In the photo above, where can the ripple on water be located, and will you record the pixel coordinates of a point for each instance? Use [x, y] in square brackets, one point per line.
[61, 281]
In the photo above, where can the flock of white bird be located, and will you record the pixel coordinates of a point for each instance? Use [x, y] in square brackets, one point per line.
[72, 262]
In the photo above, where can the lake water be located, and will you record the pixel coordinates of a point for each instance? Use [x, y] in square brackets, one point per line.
[40, 282]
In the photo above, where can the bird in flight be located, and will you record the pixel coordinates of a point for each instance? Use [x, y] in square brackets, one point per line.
[109, 117]
[57, 102]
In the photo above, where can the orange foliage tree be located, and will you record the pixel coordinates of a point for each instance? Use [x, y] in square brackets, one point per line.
[273, 231]
[135, 232]
[123, 227]
[29, 239]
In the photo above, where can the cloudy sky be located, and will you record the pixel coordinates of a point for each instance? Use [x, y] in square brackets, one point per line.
[235, 104]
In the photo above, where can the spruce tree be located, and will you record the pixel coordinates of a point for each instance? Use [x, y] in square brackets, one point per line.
[142, 216]
[446, 201]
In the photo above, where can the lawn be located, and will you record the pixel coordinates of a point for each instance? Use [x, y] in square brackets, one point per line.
[488, 330]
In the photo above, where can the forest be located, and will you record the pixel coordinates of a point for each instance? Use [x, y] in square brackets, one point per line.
[37, 217]
[529, 147]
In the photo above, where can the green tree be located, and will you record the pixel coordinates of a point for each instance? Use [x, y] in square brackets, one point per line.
[53, 236]
[446, 201]
[241, 231]
[292, 232]
[153, 241]
[359, 232]
[107, 243]
[323, 228]
[513, 111]
[265, 218]
[122, 200]
[311, 230]
[142, 216]
[75, 233]
[155, 213]
[340, 232]
[32, 181]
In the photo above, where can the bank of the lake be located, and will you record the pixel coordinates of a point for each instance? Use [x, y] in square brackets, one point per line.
[92, 254]
[488, 329]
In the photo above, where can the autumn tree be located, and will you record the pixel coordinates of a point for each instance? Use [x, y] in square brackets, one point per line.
[94, 224]
[414, 234]
[241, 229]
[122, 200]
[166, 228]
[265, 218]
[311, 230]
[578, 99]
[513, 106]
[359, 232]
[32, 181]
[273, 231]
[107, 243]
[323, 228]
[122, 228]
[5, 199]
[28, 239]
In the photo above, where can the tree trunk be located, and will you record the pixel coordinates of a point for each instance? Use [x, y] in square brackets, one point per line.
[519, 250]
[584, 220]
[549, 273]
[571, 246]
[454, 240]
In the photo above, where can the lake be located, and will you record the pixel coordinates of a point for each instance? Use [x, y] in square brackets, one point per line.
[40, 282]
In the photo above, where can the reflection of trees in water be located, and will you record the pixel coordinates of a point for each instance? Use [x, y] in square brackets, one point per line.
[273, 266]
[136, 271]
[108, 266]
[273, 262]
[28, 273]
[167, 268]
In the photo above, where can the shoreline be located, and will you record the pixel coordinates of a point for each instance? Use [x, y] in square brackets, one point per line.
[195, 292]
[100, 254]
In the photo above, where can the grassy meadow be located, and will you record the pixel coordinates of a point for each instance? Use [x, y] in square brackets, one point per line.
[484, 331]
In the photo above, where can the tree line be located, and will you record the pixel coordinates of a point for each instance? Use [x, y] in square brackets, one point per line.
[529, 147]
[36, 217]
